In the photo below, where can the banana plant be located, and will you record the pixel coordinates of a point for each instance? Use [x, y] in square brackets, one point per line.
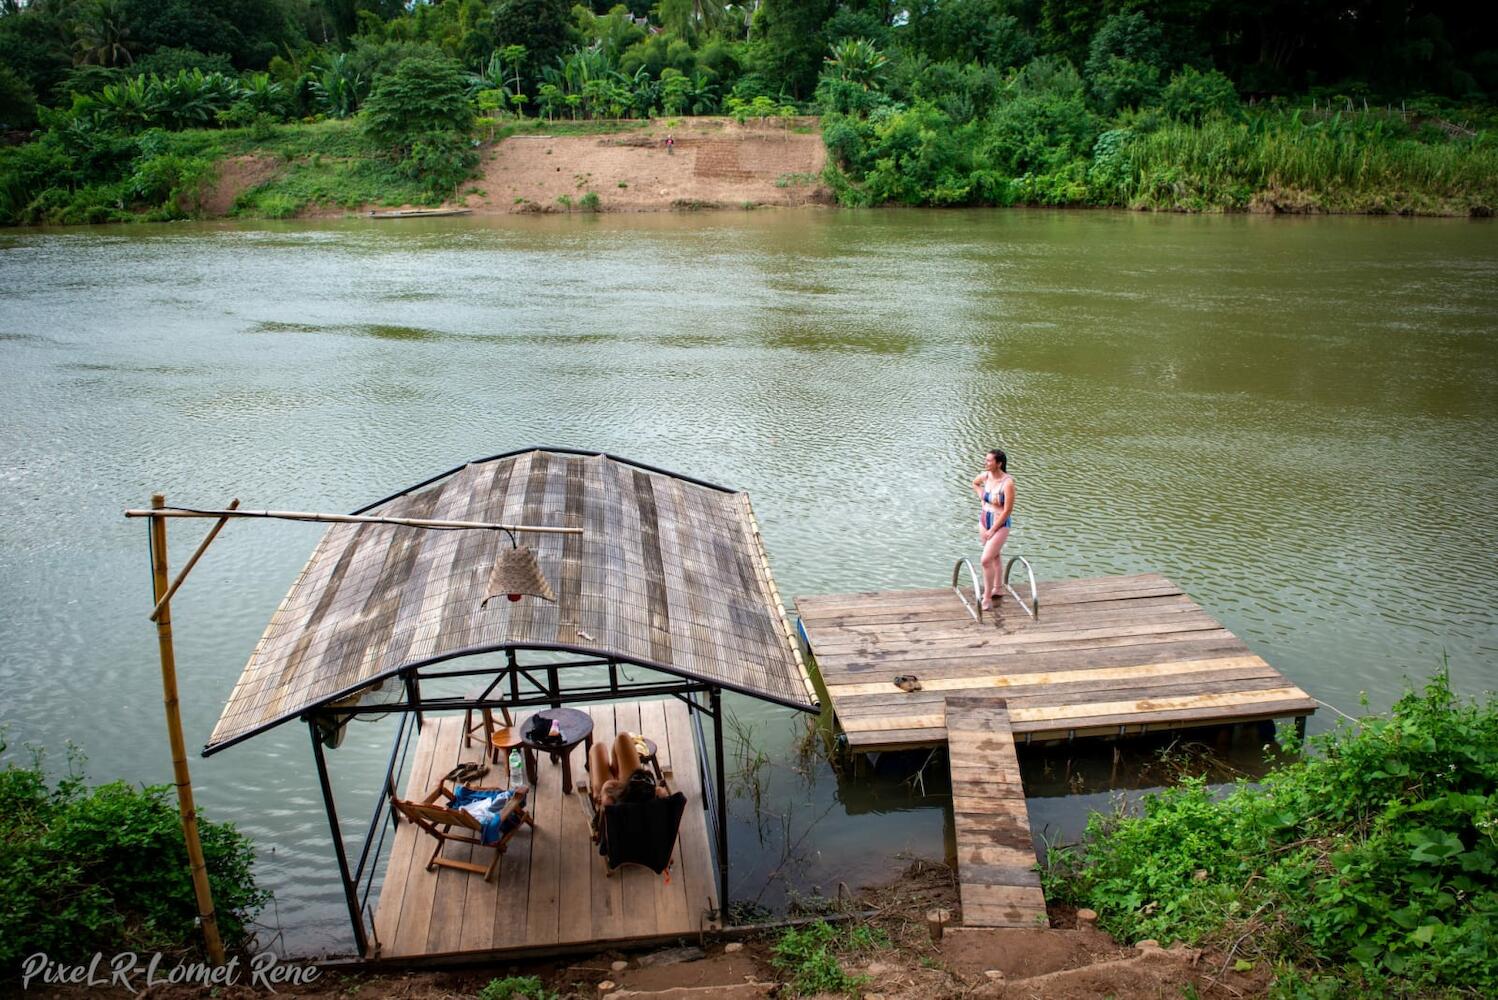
[339, 87]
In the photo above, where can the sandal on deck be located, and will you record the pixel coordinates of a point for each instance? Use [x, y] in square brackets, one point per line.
[467, 771]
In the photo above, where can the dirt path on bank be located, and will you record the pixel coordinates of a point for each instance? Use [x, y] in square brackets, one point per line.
[712, 163]
[1070, 960]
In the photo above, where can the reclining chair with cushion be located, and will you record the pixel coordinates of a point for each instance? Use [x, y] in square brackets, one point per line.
[640, 833]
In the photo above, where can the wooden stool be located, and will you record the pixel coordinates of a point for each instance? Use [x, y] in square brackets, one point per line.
[504, 738]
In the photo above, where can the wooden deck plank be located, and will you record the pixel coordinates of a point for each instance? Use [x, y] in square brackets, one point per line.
[995, 858]
[701, 875]
[606, 894]
[541, 910]
[402, 851]
[1174, 704]
[1019, 681]
[416, 904]
[456, 896]
[578, 856]
[638, 883]
[670, 893]
[1065, 693]
[1085, 652]
[508, 921]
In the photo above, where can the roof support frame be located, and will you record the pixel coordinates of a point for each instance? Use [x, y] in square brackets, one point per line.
[415, 669]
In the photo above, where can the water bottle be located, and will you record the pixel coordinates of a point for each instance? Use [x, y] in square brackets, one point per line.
[514, 765]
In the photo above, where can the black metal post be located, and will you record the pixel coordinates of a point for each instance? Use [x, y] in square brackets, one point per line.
[715, 696]
[350, 894]
[413, 697]
[554, 687]
[514, 668]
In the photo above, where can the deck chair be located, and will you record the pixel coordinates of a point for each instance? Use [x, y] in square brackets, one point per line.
[435, 817]
[640, 833]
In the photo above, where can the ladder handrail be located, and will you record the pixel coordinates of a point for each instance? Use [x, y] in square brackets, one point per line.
[1033, 608]
[976, 608]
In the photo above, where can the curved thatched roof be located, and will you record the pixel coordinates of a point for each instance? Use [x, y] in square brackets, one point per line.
[669, 573]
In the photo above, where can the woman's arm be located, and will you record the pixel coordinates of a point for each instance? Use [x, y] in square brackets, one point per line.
[978, 483]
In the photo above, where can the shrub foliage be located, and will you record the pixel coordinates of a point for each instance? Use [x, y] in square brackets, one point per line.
[1373, 864]
[105, 869]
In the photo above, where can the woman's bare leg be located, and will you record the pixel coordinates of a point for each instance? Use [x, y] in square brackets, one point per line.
[983, 568]
[598, 768]
[626, 758]
[993, 565]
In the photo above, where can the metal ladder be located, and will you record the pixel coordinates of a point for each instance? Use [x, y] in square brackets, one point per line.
[976, 607]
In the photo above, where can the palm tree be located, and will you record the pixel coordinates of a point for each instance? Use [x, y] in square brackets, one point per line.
[858, 61]
[100, 35]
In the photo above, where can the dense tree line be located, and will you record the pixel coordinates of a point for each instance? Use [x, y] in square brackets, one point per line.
[326, 54]
[933, 102]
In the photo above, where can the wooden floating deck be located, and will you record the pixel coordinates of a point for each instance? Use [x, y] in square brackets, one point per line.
[1107, 656]
[551, 890]
[995, 860]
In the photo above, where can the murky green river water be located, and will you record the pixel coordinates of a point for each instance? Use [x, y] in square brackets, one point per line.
[1295, 419]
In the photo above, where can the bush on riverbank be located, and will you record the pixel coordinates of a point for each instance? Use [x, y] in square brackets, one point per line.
[1370, 868]
[85, 176]
[105, 869]
[1050, 149]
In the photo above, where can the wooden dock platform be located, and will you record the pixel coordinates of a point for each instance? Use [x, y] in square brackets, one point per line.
[551, 891]
[1107, 656]
[995, 860]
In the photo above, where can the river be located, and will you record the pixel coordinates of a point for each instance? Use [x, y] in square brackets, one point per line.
[1292, 418]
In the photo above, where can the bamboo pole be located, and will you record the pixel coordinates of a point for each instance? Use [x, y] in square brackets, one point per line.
[174, 733]
[298, 515]
[197, 554]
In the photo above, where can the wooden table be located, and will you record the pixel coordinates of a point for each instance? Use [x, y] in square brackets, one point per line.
[576, 727]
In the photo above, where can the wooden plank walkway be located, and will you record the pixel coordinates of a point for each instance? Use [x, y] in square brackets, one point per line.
[1108, 656]
[995, 856]
[551, 890]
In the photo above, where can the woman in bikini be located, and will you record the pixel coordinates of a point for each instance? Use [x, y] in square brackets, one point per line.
[995, 488]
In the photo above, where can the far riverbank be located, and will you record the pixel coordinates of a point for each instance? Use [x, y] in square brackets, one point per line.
[1271, 163]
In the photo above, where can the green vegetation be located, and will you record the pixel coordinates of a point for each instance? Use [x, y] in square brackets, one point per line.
[516, 988]
[811, 957]
[1211, 106]
[105, 869]
[1368, 869]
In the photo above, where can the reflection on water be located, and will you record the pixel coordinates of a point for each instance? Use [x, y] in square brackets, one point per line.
[1294, 419]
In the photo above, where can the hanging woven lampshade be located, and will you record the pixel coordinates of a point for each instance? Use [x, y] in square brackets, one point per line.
[515, 574]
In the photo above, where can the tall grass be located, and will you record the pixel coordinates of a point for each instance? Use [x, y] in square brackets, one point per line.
[1335, 166]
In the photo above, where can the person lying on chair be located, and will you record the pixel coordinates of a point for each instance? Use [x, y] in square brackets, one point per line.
[620, 776]
[499, 810]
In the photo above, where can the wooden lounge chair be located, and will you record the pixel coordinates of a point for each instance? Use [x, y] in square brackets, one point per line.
[434, 815]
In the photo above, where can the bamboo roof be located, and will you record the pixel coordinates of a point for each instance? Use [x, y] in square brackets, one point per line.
[668, 572]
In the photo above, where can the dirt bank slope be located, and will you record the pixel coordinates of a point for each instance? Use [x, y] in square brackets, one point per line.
[714, 163]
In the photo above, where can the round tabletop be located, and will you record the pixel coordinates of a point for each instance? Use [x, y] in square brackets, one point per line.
[575, 725]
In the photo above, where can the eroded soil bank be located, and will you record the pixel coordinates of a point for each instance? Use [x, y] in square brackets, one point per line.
[708, 163]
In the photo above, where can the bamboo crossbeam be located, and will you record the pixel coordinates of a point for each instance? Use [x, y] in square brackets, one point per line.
[297, 515]
[187, 567]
